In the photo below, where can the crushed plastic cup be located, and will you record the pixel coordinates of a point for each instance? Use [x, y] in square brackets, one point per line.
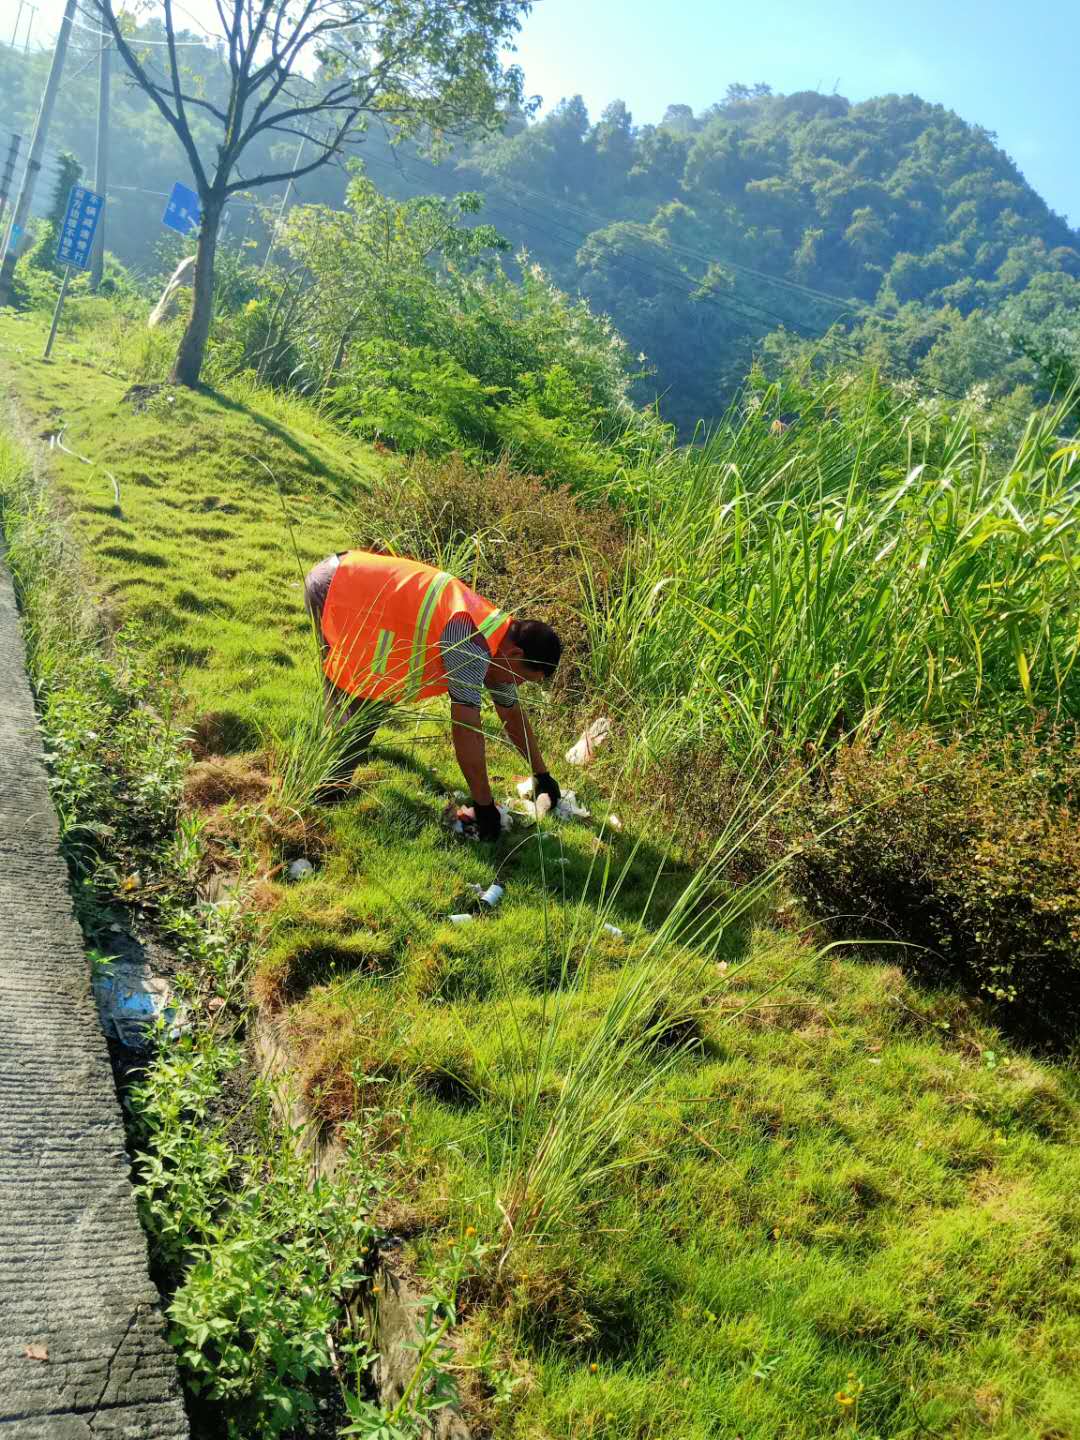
[461, 919]
[491, 896]
[588, 742]
[527, 788]
[613, 930]
[569, 809]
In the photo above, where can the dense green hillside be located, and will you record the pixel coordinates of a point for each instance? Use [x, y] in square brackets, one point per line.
[894, 220]
[704, 232]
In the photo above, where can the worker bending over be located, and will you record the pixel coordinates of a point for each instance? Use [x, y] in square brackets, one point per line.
[395, 631]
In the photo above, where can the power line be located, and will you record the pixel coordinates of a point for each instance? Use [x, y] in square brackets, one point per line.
[136, 41]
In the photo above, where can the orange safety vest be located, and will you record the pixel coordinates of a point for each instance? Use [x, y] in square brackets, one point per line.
[382, 621]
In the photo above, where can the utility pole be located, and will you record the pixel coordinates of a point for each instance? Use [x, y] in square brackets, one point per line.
[21, 212]
[7, 174]
[101, 158]
[284, 204]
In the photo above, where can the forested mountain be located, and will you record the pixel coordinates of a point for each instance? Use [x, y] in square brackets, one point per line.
[892, 225]
[893, 218]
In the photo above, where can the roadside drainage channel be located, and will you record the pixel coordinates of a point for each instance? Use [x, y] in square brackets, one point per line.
[82, 1345]
[395, 1314]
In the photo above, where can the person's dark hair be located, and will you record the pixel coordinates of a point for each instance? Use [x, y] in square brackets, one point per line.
[540, 646]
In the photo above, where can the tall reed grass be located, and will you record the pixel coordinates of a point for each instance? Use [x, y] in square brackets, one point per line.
[872, 562]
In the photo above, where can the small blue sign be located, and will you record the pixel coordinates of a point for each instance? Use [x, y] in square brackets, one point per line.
[183, 212]
[76, 239]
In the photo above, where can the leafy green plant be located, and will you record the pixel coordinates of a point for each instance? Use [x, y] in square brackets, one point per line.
[872, 563]
[260, 1256]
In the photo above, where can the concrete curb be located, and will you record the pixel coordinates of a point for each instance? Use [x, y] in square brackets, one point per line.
[82, 1348]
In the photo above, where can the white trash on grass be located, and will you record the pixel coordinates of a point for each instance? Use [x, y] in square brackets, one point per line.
[588, 742]
[489, 896]
[301, 869]
[567, 808]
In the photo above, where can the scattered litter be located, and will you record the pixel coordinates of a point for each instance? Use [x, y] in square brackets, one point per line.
[614, 822]
[36, 1352]
[567, 808]
[131, 999]
[56, 441]
[461, 919]
[301, 869]
[613, 930]
[491, 896]
[527, 788]
[466, 820]
[589, 741]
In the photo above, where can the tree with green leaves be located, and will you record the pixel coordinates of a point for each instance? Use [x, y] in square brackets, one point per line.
[311, 74]
[373, 265]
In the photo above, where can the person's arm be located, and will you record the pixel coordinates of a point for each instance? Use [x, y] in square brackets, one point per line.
[520, 734]
[468, 737]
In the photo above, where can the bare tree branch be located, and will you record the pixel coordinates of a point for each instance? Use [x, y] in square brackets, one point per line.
[183, 133]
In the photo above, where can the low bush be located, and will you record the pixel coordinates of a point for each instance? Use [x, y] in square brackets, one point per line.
[517, 541]
[972, 852]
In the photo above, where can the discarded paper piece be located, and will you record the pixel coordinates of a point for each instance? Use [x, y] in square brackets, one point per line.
[590, 740]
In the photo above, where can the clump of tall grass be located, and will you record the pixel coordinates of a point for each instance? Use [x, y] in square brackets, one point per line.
[554, 1143]
[872, 562]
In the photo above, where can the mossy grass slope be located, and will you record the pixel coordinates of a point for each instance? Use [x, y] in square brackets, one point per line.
[809, 1198]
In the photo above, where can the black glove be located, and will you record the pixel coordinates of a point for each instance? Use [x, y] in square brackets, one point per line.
[545, 784]
[488, 821]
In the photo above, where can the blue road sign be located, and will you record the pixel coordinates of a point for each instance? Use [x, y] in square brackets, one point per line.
[76, 239]
[183, 212]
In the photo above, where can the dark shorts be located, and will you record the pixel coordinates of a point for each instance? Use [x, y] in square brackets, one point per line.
[316, 589]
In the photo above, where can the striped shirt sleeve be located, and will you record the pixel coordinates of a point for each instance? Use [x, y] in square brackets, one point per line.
[466, 657]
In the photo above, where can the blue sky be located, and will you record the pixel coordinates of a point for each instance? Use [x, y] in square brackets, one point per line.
[1004, 64]
[1011, 65]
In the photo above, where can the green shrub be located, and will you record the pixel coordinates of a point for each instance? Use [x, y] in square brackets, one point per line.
[260, 1256]
[971, 852]
[412, 398]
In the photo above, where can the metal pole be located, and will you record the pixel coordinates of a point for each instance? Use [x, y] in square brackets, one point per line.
[56, 312]
[284, 202]
[33, 165]
[18, 22]
[101, 159]
[7, 175]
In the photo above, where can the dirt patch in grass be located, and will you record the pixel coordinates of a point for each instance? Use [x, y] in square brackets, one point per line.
[222, 779]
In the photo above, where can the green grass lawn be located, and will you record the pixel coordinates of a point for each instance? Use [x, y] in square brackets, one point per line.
[736, 1186]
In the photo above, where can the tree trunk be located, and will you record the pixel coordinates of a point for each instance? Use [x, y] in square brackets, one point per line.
[189, 357]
